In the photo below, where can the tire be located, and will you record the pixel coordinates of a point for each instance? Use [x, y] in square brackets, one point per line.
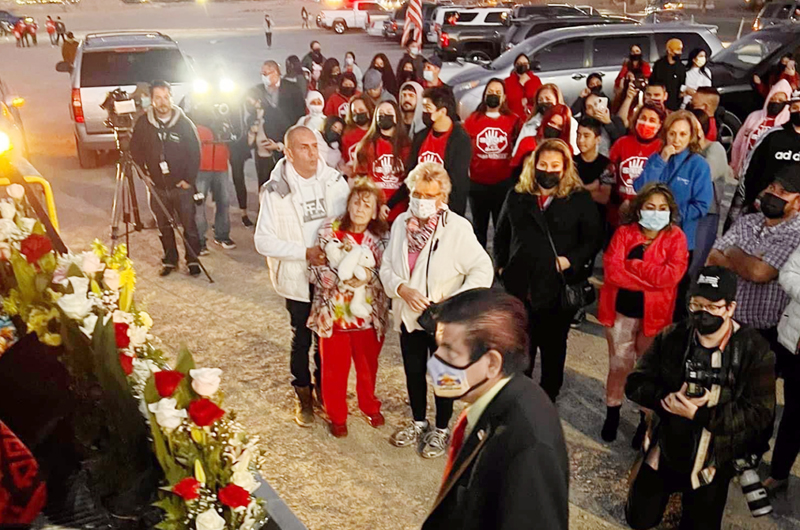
[727, 130]
[87, 158]
[339, 27]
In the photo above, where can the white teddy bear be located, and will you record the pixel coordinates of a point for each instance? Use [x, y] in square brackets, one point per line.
[356, 264]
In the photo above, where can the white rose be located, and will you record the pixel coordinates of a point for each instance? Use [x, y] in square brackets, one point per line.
[166, 414]
[246, 480]
[80, 285]
[120, 317]
[8, 229]
[89, 324]
[205, 381]
[15, 191]
[243, 463]
[209, 520]
[7, 210]
[138, 335]
[27, 224]
[91, 264]
[111, 279]
[75, 306]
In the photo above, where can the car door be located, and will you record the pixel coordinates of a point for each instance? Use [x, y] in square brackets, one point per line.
[609, 52]
[564, 63]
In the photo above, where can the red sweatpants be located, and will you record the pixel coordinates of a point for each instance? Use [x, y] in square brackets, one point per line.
[364, 347]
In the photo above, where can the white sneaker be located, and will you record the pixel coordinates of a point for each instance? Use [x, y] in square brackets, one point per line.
[435, 443]
[409, 434]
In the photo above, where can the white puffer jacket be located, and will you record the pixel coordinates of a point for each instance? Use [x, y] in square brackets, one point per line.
[789, 326]
[457, 263]
[279, 230]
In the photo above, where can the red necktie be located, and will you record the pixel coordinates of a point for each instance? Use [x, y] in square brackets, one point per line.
[456, 441]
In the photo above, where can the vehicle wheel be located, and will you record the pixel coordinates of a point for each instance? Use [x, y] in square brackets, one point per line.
[339, 27]
[726, 131]
[477, 56]
[87, 158]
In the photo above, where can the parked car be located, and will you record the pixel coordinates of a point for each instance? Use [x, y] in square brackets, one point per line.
[393, 27]
[445, 18]
[776, 13]
[106, 61]
[532, 26]
[10, 18]
[355, 17]
[551, 10]
[566, 56]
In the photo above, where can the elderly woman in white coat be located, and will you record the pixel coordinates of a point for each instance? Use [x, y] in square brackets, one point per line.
[787, 366]
[432, 255]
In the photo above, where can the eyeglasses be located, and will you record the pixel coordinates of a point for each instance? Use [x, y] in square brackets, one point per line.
[711, 308]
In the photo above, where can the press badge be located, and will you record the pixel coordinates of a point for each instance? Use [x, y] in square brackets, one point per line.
[164, 167]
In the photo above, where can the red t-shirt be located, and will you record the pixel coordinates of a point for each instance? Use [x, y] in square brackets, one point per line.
[349, 142]
[492, 143]
[516, 92]
[380, 165]
[627, 156]
[336, 106]
[433, 147]
[712, 129]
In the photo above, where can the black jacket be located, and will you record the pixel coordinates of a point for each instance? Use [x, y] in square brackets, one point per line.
[777, 148]
[673, 76]
[523, 252]
[457, 156]
[512, 471]
[741, 423]
[176, 143]
[279, 119]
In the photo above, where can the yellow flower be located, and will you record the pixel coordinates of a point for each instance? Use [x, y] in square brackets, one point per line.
[145, 319]
[127, 279]
[10, 304]
[198, 435]
[51, 339]
[199, 474]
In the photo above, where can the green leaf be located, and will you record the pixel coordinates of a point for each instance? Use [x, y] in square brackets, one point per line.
[185, 361]
[184, 393]
[26, 277]
[150, 392]
[172, 471]
[48, 264]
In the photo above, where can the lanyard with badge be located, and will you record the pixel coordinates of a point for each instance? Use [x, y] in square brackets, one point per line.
[162, 135]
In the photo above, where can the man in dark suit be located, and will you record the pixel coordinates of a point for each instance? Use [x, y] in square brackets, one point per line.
[507, 466]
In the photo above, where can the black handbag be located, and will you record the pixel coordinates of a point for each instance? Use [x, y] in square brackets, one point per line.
[427, 320]
[573, 296]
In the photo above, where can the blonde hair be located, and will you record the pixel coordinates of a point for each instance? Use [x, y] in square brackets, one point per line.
[694, 125]
[430, 172]
[569, 183]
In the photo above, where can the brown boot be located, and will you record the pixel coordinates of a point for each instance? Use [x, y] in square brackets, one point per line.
[304, 409]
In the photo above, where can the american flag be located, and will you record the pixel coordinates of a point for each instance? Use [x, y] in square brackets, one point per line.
[413, 21]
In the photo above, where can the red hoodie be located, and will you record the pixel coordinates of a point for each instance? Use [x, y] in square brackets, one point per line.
[492, 143]
[627, 156]
[515, 92]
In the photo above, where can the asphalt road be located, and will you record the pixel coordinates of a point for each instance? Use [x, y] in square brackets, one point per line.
[239, 324]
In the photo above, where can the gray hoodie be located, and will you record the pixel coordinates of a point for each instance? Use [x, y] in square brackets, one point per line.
[416, 123]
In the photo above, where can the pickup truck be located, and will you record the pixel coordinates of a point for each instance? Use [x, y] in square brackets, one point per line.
[359, 16]
[394, 25]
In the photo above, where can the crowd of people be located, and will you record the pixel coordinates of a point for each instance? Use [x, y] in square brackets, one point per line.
[366, 177]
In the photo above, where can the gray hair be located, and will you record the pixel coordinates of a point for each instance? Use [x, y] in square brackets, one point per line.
[430, 172]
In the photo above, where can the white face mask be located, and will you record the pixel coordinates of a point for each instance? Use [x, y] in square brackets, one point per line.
[349, 61]
[653, 219]
[450, 381]
[413, 51]
[423, 208]
[315, 109]
[265, 79]
[427, 75]
[700, 62]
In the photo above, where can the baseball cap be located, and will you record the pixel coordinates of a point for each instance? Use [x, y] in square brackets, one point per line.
[714, 283]
[789, 178]
[435, 60]
[372, 79]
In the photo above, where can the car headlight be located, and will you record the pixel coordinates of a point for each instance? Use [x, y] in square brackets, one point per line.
[200, 86]
[226, 85]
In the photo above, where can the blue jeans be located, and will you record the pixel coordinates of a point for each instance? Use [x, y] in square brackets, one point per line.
[215, 182]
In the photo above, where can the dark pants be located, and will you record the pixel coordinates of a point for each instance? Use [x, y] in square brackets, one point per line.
[53, 38]
[487, 201]
[302, 339]
[62, 37]
[704, 239]
[264, 167]
[180, 205]
[681, 311]
[269, 38]
[417, 347]
[549, 328]
[702, 508]
[787, 443]
[238, 157]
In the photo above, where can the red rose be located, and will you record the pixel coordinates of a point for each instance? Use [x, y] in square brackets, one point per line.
[234, 496]
[127, 363]
[35, 246]
[121, 334]
[167, 381]
[188, 489]
[204, 412]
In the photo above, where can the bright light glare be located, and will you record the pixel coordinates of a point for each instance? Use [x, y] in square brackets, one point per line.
[200, 86]
[226, 85]
[5, 143]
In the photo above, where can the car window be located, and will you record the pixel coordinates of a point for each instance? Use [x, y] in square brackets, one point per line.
[462, 18]
[368, 6]
[612, 51]
[690, 42]
[748, 51]
[112, 69]
[562, 55]
[541, 28]
[496, 17]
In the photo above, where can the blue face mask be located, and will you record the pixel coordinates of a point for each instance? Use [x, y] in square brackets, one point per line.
[653, 219]
[145, 101]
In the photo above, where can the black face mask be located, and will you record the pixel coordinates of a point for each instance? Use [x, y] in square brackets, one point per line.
[544, 107]
[521, 68]
[772, 206]
[347, 91]
[547, 179]
[492, 101]
[676, 57]
[705, 323]
[361, 118]
[794, 118]
[774, 108]
[427, 119]
[316, 52]
[551, 132]
[635, 57]
[331, 137]
[596, 89]
[385, 122]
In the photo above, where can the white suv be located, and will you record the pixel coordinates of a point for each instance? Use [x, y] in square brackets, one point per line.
[106, 61]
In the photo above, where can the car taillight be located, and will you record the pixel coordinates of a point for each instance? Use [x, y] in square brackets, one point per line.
[444, 40]
[394, 25]
[77, 106]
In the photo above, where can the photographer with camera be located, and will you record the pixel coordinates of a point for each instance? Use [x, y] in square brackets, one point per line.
[710, 382]
[166, 145]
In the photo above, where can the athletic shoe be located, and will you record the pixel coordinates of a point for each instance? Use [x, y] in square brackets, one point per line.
[246, 221]
[410, 434]
[204, 251]
[227, 244]
[166, 270]
[194, 269]
[435, 443]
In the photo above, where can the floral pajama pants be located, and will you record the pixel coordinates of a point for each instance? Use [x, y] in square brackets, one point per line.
[626, 343]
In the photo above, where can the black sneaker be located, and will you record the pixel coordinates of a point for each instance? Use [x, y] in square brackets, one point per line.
[166, 270]
[246, 221]
[578, 319]
[194, 269]
[227, 244]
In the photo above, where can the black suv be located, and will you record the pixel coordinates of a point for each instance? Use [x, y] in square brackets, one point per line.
[393, 26]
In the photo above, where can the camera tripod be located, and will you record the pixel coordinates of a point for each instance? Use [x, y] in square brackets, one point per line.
[125, 206]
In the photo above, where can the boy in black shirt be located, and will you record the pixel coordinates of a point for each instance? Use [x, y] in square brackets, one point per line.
[593, 167]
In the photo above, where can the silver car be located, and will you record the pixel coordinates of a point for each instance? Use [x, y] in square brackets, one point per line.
[566, 56]
[106, 61]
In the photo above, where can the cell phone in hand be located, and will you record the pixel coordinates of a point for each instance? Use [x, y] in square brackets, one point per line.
[601, 105]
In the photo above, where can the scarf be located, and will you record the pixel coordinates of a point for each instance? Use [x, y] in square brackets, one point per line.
[418, 235]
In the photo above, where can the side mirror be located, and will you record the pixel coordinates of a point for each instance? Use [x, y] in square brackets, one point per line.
[536, 66]
[63, 66]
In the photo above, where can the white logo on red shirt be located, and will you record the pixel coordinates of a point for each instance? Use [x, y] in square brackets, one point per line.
[343, 110]
[492, 141]
[629, 170]
[384, 171]
[430, 156]
[351, 153]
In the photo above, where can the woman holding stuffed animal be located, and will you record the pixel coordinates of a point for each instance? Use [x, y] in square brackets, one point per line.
[432, 255]
[350, 308]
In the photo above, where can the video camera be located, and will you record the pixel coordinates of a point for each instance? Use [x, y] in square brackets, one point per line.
[121, 109]
[216, 106]
[698, 379]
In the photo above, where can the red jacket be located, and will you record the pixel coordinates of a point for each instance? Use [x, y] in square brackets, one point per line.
[658, 274]
[515, 92]
[645, 70]
[213, 155]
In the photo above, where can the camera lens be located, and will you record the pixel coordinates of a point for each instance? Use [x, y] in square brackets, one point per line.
[754, 493]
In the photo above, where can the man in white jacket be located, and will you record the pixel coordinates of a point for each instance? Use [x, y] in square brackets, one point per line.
[301, 193]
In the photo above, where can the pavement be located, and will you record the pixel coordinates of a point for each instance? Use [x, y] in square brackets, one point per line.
[239, 324]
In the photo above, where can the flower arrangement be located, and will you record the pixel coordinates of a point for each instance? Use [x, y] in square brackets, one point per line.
[85, 301]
